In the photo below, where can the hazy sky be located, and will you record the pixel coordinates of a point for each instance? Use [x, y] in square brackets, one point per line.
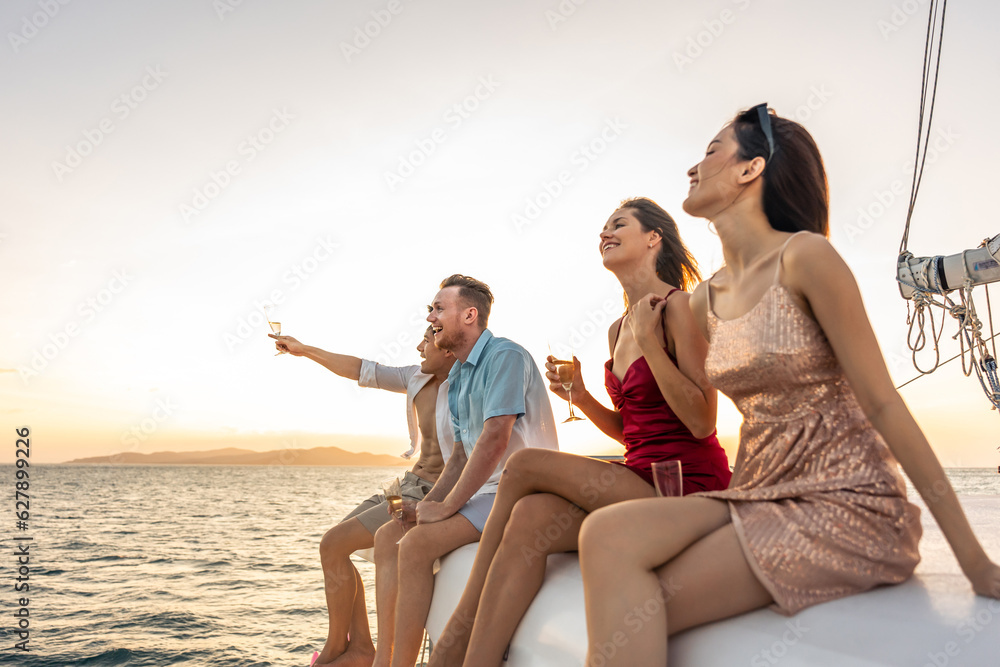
[169, 167]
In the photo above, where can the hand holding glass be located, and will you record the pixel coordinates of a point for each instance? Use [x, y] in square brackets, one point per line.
[667, 478]
[566, 370]
[393, 495]
[275, 326]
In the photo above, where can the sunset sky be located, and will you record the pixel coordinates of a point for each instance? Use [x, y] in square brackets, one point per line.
[168, 168]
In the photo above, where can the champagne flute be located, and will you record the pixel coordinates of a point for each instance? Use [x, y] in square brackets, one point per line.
[667, 478]
[275, 326]
[390, 488]
[565, 370]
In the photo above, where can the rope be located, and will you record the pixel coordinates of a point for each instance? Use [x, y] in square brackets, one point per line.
[914, 379]
[969, 337]
[921, 154]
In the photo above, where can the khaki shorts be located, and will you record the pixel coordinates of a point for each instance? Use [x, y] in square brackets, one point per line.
[374, 512]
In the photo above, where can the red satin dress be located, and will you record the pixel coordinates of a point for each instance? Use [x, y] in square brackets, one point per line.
[652, 432]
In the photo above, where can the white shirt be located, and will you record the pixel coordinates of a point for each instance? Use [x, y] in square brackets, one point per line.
[410, 380]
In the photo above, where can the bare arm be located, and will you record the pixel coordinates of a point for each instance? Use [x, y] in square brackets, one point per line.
[607, 420]
[343, 365]
[814, 270]
[685, 387]
[486, 454]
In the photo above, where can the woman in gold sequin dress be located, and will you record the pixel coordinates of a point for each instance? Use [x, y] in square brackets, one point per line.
[817, 508]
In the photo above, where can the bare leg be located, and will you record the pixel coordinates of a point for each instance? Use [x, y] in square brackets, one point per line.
[386, 585]
[343, 589]
[706, 576]
[539, 525]
[584, 482]
[422, 545]
[360, 652]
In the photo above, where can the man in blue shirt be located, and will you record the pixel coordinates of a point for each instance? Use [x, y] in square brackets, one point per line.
[499, 403]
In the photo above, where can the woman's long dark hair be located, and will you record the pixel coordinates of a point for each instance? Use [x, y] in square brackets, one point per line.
[674, 264]
[796, 195]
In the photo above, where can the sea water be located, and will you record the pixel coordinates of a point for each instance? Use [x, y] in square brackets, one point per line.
[190, 565]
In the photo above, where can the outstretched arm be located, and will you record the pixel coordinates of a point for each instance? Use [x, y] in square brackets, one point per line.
[343, 365]
[814, 271]
[685, 387]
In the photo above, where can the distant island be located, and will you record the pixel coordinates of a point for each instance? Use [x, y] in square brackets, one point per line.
[232, 456]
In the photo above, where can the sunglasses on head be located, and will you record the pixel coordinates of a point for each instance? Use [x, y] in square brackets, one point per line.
[764, 119]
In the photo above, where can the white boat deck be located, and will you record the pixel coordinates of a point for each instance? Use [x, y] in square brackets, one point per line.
[933, 620]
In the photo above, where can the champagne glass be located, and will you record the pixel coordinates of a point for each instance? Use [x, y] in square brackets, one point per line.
[565, 370]
[390, 488]
[275, 326]
[667, 478]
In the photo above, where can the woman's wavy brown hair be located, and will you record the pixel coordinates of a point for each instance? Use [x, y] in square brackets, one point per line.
[674, 265]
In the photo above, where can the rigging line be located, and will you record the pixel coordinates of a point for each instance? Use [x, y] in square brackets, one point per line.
[922, 159]
[928, 41]
[941, 364]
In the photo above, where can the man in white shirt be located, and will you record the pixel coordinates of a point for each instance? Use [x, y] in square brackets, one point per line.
[499, 403]
[428, 418]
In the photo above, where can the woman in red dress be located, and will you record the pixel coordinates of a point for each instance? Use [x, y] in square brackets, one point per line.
[665, 409]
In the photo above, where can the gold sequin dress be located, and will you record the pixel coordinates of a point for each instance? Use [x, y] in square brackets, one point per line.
[816, 497]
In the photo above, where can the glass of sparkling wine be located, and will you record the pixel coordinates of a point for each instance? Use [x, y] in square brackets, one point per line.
[566, 369]
[667, 478]
[393, 495]
[275, 326]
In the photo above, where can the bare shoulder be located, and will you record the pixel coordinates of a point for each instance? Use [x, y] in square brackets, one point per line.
[613, 334]
[815, 273]
[811, 256]
[679, 306]
[697, 303]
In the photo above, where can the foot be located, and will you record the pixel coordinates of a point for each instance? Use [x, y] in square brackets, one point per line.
[353, 658]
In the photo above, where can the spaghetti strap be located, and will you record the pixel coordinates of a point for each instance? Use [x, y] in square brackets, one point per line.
[614, 345]
[663, 316]
[711, 308]
[777, 268]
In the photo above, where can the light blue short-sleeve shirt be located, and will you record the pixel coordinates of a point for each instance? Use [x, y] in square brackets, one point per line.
[500, 378]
